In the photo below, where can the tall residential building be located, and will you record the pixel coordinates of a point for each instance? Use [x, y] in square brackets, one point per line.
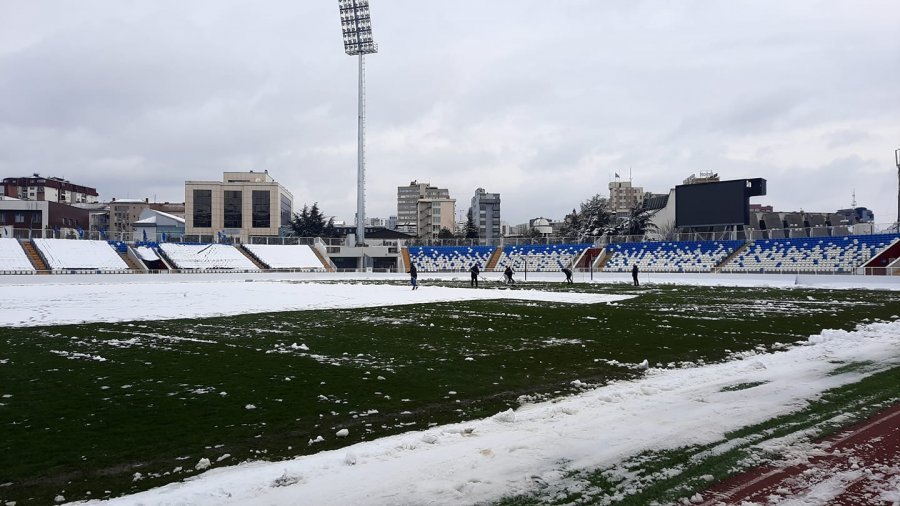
[623, 197]
[407, 203]
[243, 204]
[485, 210]
[51, 189]
[435, 214]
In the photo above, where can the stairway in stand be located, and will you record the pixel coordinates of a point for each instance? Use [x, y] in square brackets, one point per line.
[34, 257]
[131, 262]
[259, 265]
[325, 263]
[495, 257]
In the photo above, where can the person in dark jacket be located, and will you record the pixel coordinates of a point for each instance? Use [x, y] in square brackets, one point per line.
[634, 274]
[474, 270]
[508, 273]
[413, 274]
[568, 274]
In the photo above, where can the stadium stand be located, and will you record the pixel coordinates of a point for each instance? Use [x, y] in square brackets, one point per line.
[814, 254]
[540, 257]
[817, 226]
[206, 257]
[449, 258]
[276, 256]
[676, 256]
[68, 254]
[774, 225]
[119, 246]
[146, 253]
[13, 257]
[796, 227]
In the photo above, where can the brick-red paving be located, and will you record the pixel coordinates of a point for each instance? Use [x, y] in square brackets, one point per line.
[859, 466]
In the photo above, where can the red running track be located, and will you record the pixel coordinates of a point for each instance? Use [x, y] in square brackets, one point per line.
[859, 466]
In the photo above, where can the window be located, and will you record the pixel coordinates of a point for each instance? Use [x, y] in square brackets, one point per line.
[203, 208]
[231, 209]
[20, 218]
[286, 206]
[261, 209]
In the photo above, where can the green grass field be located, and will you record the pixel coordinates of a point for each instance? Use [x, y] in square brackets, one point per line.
[83, 408]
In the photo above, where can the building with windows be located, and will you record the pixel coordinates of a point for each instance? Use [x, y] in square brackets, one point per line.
[435, 214]
[623, 197]
[243, 204]
[485, 211]
[34, 218]
[157, 226]
[408, 207]
[123, 213]
[50, 189]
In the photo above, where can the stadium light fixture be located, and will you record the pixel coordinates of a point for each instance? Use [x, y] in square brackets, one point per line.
[897, 161]
[356, 26]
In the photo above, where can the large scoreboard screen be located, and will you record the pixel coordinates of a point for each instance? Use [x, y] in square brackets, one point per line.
[714, 204]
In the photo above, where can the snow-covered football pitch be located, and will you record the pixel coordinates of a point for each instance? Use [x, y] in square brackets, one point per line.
[354, 389]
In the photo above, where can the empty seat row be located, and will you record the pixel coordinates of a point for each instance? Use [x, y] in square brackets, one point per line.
[65, 254]
[449, 258]
[669, 256]
[815, 254]
[540, 257]
[206, 257]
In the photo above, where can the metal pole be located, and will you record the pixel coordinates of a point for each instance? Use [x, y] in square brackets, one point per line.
[361, 160]
[897, 160]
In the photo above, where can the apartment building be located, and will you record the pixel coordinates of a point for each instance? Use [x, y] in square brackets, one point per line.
[433, 215]
[50, 189]
[485, 210]
[408, 207]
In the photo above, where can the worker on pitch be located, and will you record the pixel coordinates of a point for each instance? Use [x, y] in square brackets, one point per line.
[413, 274]
[568, 273]
[474, 270]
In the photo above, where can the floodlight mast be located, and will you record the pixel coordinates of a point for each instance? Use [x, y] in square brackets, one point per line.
[897, 161]
[356, 26]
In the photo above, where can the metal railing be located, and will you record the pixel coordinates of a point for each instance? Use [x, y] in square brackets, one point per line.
[746, 234]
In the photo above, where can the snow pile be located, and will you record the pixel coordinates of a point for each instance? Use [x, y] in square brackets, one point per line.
[62, 302]
[13, 257]
[277, 256]
[207, 256]
[62, 254]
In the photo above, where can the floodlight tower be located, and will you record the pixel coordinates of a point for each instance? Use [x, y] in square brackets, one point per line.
[356, 26]
[897, 160]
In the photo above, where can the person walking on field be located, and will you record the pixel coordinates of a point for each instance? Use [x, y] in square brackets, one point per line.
[508, 273]
[474, 270]
[568, 274]
[634, 274]
[413, 274]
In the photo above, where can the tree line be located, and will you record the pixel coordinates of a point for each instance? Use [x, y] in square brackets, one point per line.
[594, 218]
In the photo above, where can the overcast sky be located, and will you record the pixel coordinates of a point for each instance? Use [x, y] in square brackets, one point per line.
[540, 101]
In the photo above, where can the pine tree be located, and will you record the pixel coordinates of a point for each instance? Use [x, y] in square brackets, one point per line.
[310, 222]
[593, 220]
[471, 227]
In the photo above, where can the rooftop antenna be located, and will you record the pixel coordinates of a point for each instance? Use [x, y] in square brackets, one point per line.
[356, 26]
[853, 203]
